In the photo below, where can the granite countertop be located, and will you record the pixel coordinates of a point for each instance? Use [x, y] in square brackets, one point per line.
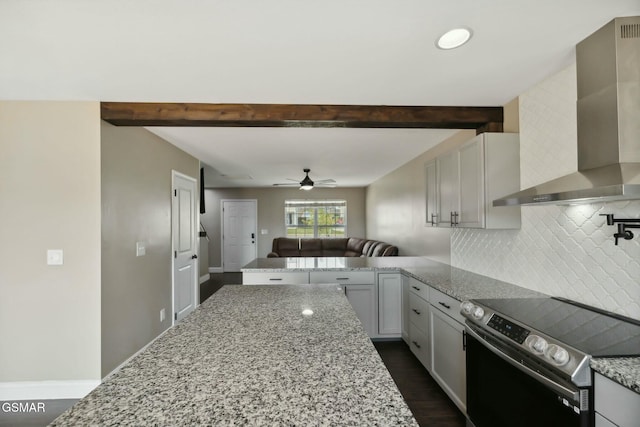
[623, 370]
[248, 355]
[457, 283]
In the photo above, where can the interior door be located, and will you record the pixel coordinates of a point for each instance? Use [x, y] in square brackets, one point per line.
[239, 233]
[184, 220]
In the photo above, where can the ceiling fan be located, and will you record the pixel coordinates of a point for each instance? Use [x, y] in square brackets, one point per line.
[307, 183]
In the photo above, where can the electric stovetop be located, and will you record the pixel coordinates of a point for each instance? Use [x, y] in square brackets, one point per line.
[593, 331]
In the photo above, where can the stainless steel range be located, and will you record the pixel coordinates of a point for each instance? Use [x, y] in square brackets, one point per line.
[528, 359]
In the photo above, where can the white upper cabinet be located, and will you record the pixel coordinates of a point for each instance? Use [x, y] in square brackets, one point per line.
[468, 179]
[448, 188]
[432, 194]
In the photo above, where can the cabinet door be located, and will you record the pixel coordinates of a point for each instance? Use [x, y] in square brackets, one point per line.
[432, 194]
[448, 357]
[389, 304]
[471, 174]
[405, 308]
[447, 202]
[362, 299]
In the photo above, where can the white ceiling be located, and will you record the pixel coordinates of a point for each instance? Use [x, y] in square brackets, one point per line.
[376, 52]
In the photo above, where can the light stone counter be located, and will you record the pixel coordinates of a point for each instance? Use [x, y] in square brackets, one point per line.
[249, 356]
[457, 283]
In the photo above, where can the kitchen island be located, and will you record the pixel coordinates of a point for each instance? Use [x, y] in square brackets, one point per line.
[253, 355]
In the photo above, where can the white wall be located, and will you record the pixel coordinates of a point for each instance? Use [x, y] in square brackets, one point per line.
[49, 199]
[560, 250]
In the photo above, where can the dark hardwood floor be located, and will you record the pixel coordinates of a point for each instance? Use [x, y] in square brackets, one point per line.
[427, 401]
[216, 281]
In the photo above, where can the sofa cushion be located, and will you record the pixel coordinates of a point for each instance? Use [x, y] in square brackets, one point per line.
[354, 246]
[310, 247]
[367, 248]
[334, 246]
[285, 246]
[379, 249]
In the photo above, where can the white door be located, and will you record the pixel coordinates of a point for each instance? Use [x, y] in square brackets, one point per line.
[239, 233]
[185, 267]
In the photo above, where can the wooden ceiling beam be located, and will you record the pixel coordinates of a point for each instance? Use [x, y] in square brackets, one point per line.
[299, 115]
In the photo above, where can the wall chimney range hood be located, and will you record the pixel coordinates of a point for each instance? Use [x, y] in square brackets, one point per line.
[608, 112]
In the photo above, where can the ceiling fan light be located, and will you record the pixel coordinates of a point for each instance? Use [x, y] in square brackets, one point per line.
[306, 187]
[454, 38]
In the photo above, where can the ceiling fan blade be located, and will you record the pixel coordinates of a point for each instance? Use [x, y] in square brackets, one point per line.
[322, 181]
[326, 185]
[286, 184]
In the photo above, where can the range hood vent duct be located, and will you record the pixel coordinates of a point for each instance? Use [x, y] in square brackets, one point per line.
[608, 112]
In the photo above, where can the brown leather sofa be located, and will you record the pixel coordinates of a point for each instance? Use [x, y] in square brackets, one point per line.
[330, 247]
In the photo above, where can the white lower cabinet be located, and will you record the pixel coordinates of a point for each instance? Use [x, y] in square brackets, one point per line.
[419, 344]
[615, 404]
[405, 308]
[389, 305]
[363, 301]
[448, 364]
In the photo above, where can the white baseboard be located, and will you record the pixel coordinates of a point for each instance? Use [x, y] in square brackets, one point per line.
[215, 270]
[204, 278]
[44, 390]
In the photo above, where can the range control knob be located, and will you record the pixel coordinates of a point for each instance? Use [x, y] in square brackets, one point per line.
[557, 354]
[466, 307]
[536, 344]
[477, 312]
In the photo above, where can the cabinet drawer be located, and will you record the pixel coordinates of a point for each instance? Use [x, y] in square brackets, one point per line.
[345, 277]
[447, 304]
[419, 344]
[419, 288]
[275, 278]
[419, 312]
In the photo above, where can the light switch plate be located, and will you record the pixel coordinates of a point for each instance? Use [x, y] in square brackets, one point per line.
[140, 249]
[264, 231]
[55, 257]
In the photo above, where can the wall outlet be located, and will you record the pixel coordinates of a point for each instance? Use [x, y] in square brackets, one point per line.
[162, 315]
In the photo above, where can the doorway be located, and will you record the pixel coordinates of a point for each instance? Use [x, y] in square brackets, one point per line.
[239, 233]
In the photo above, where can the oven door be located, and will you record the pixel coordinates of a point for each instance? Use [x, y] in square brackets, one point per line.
[502, 391]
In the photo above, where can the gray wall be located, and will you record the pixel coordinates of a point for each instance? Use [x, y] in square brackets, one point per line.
[271, 213]
[396, 207]
[136, 206]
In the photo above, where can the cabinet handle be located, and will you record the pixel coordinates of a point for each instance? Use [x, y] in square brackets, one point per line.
[451, 218]
[464, 340]
[342, 278]
[416, 344]
[433, 217]
[416, 311]
[455, 218]
[416, 288]
[448, 307]
[275, 278]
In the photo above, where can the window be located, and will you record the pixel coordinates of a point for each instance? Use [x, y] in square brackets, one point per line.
[315, 218]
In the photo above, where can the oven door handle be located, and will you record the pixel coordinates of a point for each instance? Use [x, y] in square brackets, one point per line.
[559, 388]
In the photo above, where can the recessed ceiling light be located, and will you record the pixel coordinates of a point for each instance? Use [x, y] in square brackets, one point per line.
[453, 38]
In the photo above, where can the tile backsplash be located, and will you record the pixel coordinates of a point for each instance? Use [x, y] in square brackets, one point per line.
[565, 251]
